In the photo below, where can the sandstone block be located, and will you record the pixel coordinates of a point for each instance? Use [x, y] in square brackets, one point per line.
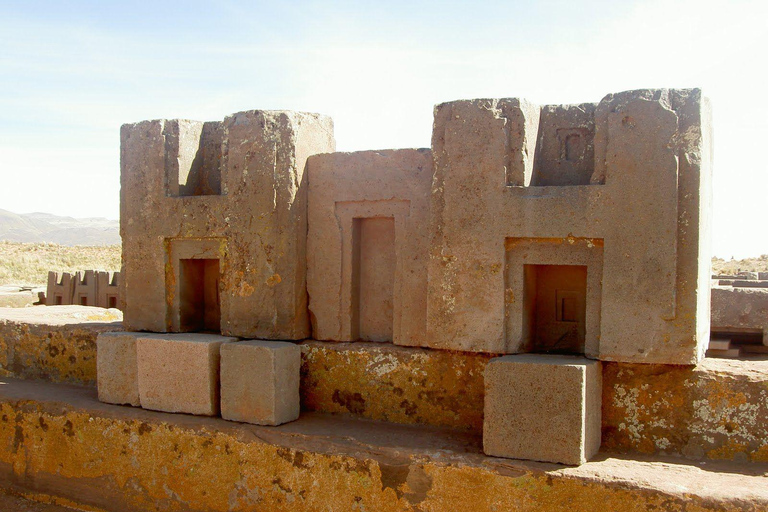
[543, 407]
[86, 288]
[580, 249]
[367, 248]
[260, 381]
[741, 310]
[214, 218]
[60, 290]
[116, 367]
[179, 372]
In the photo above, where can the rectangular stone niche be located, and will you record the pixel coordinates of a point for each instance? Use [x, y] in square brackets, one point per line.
[374, 264]
[555, 308]
[194, 270]
[200, 309]
[553, 295]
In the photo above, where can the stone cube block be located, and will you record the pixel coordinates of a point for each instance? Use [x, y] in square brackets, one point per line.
[542, 407]
[116, 367]
[180, 372]
[260, 381]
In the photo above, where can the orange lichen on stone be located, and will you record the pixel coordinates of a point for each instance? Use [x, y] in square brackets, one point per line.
[109, 457]
[58, 348]
[717, 410]
[397, 384]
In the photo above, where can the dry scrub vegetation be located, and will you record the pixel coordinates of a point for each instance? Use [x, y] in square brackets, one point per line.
[28, 264]
[732, 267]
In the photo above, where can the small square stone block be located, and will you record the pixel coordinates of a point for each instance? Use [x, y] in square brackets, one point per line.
[116, 377]
[543, 407]
[180, 372]
[260, 381]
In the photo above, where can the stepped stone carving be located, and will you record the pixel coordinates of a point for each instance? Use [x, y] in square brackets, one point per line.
[213, 221]
[84, 288]
[575, 232]
[368, 245]
[620, 189]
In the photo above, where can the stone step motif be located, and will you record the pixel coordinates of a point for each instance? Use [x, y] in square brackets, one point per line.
[84, 288]
[569, 231]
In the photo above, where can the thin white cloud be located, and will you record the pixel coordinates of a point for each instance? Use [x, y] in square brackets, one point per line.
[378, 73]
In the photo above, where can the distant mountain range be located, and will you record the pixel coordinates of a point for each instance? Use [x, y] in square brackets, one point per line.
[45, 227]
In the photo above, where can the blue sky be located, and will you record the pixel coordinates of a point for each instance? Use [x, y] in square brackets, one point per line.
[72, 72]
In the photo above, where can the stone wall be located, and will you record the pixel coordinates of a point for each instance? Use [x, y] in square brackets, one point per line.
[716, 410]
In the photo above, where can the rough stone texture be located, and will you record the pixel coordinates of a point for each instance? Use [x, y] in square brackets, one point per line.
[108, 290]
[637, 218]
[33, 502]
[60, 289]
[231, 194]
[397, 384]
[717, 410]
[740, 310]
[54, 343]
[116, 368]
[179, 372]
[61, 441]
[347, 252]
[542, 407]
[19, 296]
[260, 381]
[85, 289]
[565, 153]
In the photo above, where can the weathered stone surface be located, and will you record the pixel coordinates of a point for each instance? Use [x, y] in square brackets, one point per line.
[108, 290]
[565, 153]
[19, 296]
[740, 310]
[116, 368]
[32, 502]
[85, 292]
[716, 410]
[647, 408]
[542, 407]
[64, 440]
[260, 381]
[636, 218]
[213, 222]
[179, 372]
[54, 343]
[367, 245]
[60, 290]
[397, 384]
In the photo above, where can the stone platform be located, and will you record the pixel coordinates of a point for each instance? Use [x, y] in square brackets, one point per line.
[61, 441]
[716, 410]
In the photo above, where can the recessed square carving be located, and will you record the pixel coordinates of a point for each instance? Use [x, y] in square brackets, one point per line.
[565, 153]
[568, 306]
[556, 297]
[374, 277]
[553, 294]
[199, 305]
